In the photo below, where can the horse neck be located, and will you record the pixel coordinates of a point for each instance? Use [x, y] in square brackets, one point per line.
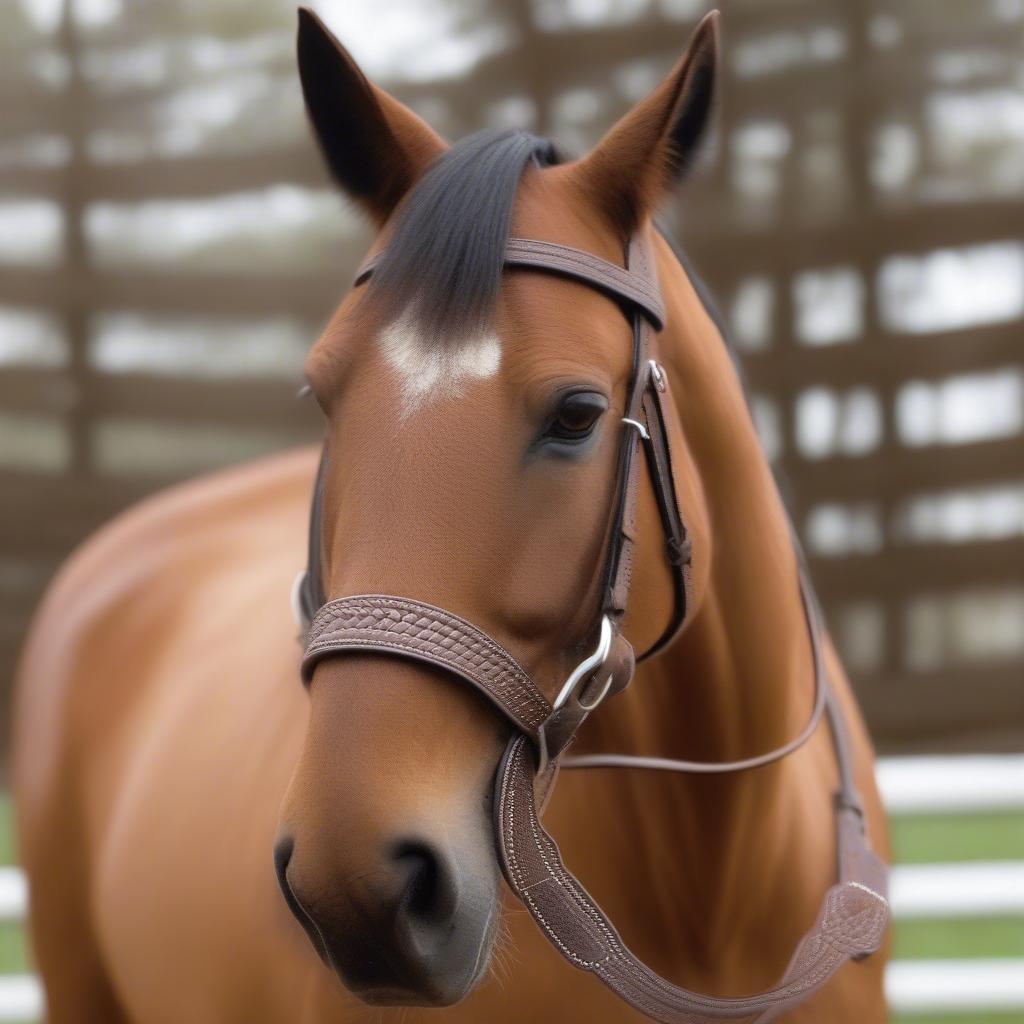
[738, 682]
[747, 654]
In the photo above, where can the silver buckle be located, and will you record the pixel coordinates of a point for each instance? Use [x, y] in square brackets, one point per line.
[581, 674]
[657, 375]
[586, 668]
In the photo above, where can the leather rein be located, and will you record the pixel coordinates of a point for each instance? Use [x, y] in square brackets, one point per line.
[855, 911]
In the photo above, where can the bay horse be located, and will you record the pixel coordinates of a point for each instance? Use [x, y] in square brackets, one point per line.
[167, 759]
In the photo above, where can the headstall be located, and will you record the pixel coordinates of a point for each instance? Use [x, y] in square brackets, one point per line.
[855, 911]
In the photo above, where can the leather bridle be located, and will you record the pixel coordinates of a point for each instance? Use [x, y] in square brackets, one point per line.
[855, 911]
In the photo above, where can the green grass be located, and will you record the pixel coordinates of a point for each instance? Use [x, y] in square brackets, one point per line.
[930, 839]
[6, 830]
[961, 939]
[13, 947]
[14, 958]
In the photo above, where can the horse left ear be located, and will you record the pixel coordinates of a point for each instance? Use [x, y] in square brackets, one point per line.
[647, 152]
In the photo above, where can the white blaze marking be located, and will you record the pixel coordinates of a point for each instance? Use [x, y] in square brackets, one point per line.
[428, 370]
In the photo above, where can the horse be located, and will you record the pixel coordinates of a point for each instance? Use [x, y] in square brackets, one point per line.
[206, 840]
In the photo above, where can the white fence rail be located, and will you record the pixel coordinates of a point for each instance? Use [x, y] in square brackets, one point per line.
[917, 987]
[13, 895]
[21, 998]
[910, 785]
[994, 889]
[952, 785]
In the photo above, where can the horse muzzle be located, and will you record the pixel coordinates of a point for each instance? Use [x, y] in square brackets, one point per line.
[415, 928]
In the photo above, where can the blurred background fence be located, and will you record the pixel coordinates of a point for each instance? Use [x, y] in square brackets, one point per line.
[169, 247]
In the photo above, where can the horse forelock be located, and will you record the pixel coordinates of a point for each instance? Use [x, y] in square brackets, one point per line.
[444, 258]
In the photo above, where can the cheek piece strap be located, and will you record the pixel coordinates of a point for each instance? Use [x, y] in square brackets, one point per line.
[855, 912]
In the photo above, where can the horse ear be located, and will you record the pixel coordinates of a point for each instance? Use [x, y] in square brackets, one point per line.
[647, 152]
[376, 148]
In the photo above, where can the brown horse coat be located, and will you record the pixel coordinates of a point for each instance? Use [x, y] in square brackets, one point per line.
[162, 737]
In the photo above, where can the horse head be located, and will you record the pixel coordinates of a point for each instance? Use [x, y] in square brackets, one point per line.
[473, 427]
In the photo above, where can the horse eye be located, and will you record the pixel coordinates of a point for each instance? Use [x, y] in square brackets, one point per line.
[577, 416]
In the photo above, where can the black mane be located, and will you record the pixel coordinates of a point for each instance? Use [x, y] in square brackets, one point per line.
[444, 261]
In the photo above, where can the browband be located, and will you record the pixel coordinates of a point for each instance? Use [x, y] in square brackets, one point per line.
[855, 911]
[640, 290]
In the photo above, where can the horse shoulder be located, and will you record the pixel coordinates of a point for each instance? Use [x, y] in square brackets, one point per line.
[122, 598]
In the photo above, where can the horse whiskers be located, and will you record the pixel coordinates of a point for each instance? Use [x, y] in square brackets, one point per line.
[499, 970]
[504, 953]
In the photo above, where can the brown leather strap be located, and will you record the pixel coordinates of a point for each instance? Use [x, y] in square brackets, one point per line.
[412, 629]
[636, 284]
[646, 430]
[812, 618]
[851, 924]
[678, 549]
[309, 593]
[638, 287]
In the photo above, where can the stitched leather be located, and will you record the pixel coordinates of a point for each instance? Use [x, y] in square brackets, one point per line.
[852, 921]
[417, 630]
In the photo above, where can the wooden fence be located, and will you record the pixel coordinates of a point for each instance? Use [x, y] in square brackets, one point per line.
[168, 246]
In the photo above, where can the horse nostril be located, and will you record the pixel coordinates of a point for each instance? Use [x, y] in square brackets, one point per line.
[283, 849]
[400, 921]
[430, 894]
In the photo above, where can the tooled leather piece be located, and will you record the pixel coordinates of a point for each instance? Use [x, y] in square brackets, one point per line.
[414, 629]
[851, 924]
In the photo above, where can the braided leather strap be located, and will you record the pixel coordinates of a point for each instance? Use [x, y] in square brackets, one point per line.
[413, 629]
[851, 924]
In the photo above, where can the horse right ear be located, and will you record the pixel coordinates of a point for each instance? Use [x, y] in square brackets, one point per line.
[376, 148]
[635, 166]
